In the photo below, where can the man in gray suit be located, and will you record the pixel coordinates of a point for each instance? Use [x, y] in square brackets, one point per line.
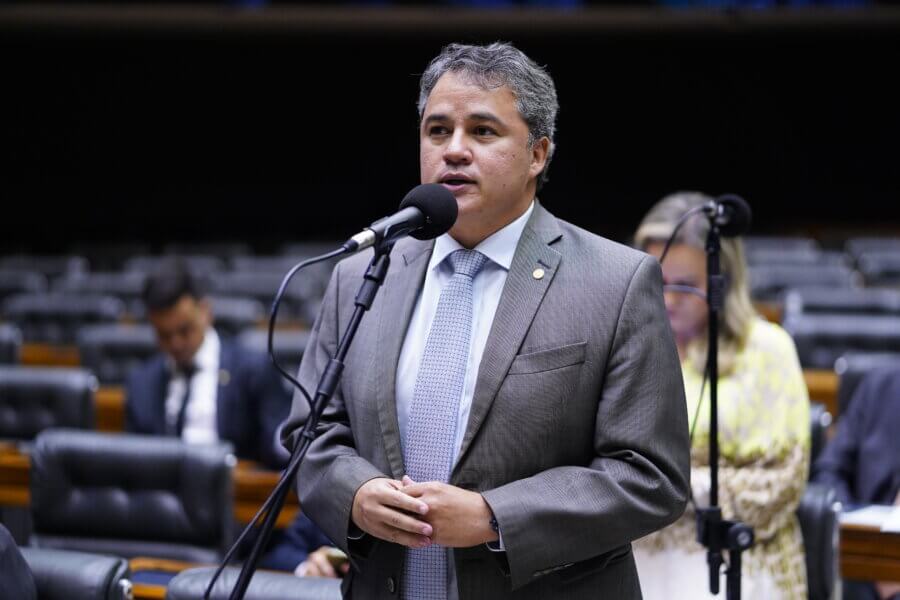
[512, 414]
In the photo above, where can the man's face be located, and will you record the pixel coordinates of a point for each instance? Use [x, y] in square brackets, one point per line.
[475, 143]
[180, 329]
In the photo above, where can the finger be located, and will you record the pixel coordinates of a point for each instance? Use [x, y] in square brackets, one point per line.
[418, 489]
[345, 568]
[404, 501]
[407, 480]
[322, 565]
[395, 519]
[404, 538]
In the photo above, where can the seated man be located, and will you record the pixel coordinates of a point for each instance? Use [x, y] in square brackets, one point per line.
[203, 388]
[862, 461]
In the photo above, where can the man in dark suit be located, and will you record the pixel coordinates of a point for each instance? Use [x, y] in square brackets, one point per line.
[862, 461]
[16, 580]
[511, 414]
[203, 388]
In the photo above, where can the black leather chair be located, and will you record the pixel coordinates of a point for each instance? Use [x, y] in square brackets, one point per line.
[10, 344]
[265, 585]
[771, 242]
[859, 301]
[822, 338]
[67, 575]
[851, 368]
[223, 249]
[795, 256]
[21, 282]
[770, 282]
[233, 315]
[197, 264]
[858, 246]
[262, 286]
[819, 422]
[880, 268]
[131, 495]
[127, 286]
[56, 318]
[49, 266]
[289, 345]
[33, 399]
[819, 513]
[112, 351]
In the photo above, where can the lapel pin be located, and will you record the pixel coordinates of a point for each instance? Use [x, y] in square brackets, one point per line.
[538, 273]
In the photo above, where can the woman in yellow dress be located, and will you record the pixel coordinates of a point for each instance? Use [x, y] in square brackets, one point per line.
[763, 421]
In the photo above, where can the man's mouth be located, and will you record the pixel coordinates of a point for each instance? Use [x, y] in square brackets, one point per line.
[456, 179]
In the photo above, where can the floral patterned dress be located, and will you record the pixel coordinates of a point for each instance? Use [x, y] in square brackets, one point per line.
[763, 465]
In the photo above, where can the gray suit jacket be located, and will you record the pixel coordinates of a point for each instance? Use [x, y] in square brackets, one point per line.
[577, 436]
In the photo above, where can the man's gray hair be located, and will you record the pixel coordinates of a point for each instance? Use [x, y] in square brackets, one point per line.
[496, 65]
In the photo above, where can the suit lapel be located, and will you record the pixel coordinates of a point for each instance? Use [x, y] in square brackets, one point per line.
[401, 288]
[157, 392]
[522, 295]
[224, 391]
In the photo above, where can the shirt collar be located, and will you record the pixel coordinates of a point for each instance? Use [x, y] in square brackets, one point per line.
[499, 247]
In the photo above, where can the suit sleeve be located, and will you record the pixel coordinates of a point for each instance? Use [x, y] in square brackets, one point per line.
[132, 422]
[837, 465]
[638, 480]
[332, 471]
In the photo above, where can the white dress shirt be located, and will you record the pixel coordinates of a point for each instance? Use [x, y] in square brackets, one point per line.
[200, 426]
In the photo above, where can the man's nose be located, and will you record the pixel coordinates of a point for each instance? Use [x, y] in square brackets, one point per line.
[457, 150]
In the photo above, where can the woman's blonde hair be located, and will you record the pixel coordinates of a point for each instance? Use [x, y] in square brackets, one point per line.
[738, 313]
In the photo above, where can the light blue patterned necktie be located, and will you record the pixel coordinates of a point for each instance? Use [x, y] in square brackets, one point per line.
[430, 438]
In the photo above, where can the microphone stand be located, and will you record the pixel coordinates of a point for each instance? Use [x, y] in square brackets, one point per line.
[374, 277]
[713, 532]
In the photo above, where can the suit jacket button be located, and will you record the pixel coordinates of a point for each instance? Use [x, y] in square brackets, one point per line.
[391, 586]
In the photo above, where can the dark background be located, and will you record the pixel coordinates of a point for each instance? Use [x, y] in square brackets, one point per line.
[271, 127]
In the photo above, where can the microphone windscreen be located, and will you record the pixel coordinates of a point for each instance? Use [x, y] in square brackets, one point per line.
[438, 205]
[738, 215]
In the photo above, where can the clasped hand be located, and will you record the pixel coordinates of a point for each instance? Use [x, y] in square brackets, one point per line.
[417, 515]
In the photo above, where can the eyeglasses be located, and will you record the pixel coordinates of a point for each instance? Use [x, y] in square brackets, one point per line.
[684, 289]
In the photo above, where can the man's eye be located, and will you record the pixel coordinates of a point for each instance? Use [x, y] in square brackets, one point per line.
[481, 130]
[438, 130]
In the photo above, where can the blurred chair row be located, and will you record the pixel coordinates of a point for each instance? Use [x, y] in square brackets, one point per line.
[110, 351]
[70, 575]
[778, 264]
[130, 496]
[37, 290]
[99, 498]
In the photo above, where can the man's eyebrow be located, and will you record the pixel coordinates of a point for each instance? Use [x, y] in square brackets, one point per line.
[485, 117]
[472, 116]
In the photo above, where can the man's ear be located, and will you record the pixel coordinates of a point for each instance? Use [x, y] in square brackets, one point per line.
[540, 151]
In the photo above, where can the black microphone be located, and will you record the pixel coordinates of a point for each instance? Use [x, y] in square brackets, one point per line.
[731, 213]
[426, 212]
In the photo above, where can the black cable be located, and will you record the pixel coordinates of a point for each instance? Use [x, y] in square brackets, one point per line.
[284, 480]
[687, 215]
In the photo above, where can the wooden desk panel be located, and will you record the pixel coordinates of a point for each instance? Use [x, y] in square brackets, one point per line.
[49, 355]
[109, 408]
[823, 387]
[868, 554]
